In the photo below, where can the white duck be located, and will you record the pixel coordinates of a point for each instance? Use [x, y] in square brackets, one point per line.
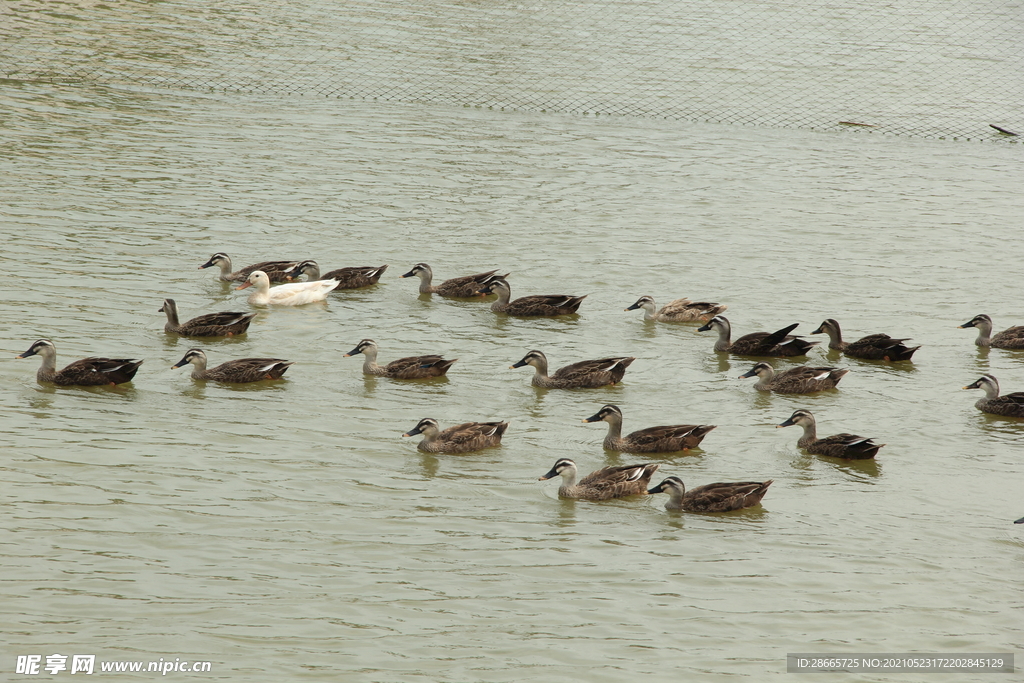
[294, 294]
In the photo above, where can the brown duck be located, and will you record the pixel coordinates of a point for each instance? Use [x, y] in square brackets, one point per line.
[778, 343]
[225, 324]
[604, 484]
[718, 497]
[462, 438]
[846, 446]
[667, 439]
[87, 372]
[585, 374]
[413, 367]
[530, 306]
[352, 277]
[464, 287]
[872, 347]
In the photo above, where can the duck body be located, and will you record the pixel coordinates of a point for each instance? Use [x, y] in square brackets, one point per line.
[241, 370]
[412, 367]
[352, 277]
[546, 305]
[603, 484]
[1010, 338]
[275, 270]
[292, 294]
[798, 380]
[667, 439]
[462, 438]
[225, 324]
[1010, 405]
[678, 310]
[465, 287]
[846, 446]
[717, 497]
[872, 347]
[87, 372]
[778, 344]
[585, 374]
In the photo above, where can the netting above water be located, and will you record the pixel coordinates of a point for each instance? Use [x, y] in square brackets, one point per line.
[932, 68]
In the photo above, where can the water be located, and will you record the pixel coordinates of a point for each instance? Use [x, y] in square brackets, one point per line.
[287, 532]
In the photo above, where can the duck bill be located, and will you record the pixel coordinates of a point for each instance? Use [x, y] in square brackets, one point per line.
[704, 328]
[969, 323]
[519, 364]
[179, 364]
[413, 432]
[656, 489]
[819, 330]
[593, 418]
[353, 352]
[748, 373]
[409, 274]
[247, 284]
[788, 423]
[26, 354]
[549, 475]
[633, 307]
[973, 385]
[206, 265]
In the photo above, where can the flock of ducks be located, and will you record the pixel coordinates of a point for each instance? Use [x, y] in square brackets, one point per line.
[603, 484]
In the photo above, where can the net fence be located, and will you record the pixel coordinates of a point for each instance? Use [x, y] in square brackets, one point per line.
[931, 68]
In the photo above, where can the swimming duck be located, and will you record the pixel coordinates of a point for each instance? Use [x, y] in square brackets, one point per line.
[352, 277]
[799, 380]
[413, 367]
[463, 438]
[292, 294]
[463, 287]
[651, 440]
[581, 375]
[87, 372]
[847, 446]
[239, 370]
[718, 497]
[678, 311]
[1010, 405]
[779, 343]
[872, 347]
[225, 324]
[605, 483]
[1010, 338]
[537, 305]
[275, 270]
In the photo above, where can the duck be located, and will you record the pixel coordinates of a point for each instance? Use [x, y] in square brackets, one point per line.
[275, 270]
[717, 497]
[603, 484]
[238, 371]
[413, 367]
[224, 324]
[846, 446]
[352, 277]
[1010, 405]
[798, 380]
[88, 372]
[465, 287]
[292, 294]
[651, 440]
[677, 311]
[585, 374]
[779, 343]
[462, 438]
[1010, 338]
[538, 305]
[872, 347]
